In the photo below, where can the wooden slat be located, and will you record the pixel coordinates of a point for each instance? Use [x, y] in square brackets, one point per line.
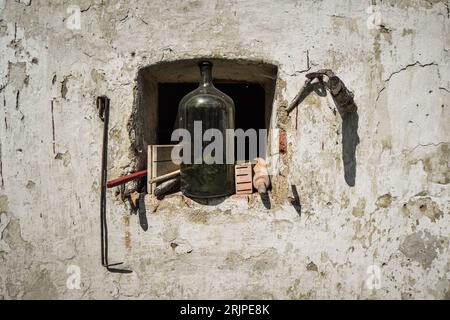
[246, 186]
[150, 186]
[243, 178]
[243, 172]
[159, 163]
[162, 167]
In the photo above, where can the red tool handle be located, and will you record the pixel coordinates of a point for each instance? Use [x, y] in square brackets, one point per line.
[125, 179]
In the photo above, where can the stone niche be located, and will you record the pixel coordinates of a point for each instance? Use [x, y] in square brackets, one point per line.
[160, 87]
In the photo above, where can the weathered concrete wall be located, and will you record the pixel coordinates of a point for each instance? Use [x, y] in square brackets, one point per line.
[395, 217]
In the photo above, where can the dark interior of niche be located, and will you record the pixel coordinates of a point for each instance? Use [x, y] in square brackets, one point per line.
[249, 100]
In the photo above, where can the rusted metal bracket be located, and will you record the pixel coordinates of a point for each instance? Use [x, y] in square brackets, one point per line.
[342, 97]
[103, 109]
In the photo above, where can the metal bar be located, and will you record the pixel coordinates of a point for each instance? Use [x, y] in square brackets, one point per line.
[103, 107]
[125, 179]
[299, 95]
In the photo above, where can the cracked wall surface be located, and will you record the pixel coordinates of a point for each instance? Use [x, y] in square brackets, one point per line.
[353, 194]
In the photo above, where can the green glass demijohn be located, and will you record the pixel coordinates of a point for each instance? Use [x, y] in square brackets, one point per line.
[215, 110]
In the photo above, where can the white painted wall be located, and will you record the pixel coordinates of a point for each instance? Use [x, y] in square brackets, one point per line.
[395, 217]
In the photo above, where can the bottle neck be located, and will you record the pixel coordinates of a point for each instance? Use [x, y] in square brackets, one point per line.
[206, 76]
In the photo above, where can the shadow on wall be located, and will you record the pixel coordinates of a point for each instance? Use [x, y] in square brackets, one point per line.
[350, 140]
[295, 201]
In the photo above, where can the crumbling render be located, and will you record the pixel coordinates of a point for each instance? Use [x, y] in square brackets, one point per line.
[2, 182]
[4, 108]
[53, 129]
[4, 221]
[417, 63]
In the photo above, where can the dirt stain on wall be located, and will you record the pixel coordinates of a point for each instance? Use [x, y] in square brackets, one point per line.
[422, 247]
[127, 236]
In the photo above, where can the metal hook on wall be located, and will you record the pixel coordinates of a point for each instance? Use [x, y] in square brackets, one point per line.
[342, 97]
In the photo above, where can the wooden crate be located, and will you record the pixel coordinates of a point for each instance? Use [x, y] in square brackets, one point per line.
[243, 175]
[159, 163]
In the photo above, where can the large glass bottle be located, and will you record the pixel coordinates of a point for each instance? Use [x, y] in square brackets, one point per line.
[215, 110]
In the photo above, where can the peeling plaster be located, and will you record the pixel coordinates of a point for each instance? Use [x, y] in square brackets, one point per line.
[334, 212]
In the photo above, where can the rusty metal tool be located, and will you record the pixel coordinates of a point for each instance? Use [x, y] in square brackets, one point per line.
[167, 187]
[342, 97]
[124, 179]
[103, 109]
[300, 96]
